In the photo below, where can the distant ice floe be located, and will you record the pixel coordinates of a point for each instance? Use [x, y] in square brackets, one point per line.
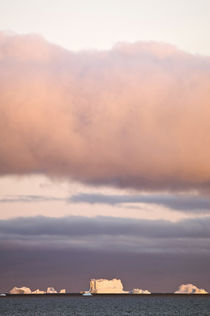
[51, 290]
[27, 290]
[139, 291]
[190, 289]
[20, 290]
[62, 291]
[38, 292]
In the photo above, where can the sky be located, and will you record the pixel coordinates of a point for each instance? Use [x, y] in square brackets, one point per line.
[104, 143]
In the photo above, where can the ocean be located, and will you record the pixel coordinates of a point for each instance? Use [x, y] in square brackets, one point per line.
[136, 305]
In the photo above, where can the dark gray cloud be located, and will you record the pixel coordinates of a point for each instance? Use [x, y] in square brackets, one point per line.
[190, 235]
[184, 203]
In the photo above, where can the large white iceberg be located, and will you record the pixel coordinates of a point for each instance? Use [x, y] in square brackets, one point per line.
[140, 291]
[190, 289]
[20, 290]
[102, 286]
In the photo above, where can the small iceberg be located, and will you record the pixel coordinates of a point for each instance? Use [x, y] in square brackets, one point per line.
[87, 294]
[190, 289]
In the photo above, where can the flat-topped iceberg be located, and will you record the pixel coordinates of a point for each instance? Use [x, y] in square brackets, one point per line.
[27, 290]
[104, 286]
[190, 289]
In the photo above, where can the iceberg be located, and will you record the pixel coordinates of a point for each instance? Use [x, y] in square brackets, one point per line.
[20, 290]
[86, 293]
[140, 291]
[62, 291]
[104, 286]
[51, 290]
[38, 292]
[190, 289]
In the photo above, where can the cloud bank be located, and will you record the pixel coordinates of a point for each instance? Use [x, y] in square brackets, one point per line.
[110, 234]
[136, 116]
[184, 203]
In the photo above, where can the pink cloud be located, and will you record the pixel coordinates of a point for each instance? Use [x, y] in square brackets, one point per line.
[135, 116]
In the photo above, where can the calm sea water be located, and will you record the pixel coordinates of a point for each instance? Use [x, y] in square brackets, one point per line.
[106, 305]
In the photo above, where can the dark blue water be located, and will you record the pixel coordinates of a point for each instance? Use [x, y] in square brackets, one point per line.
[106, 305]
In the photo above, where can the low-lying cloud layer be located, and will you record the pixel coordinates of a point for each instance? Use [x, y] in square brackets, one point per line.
[28, 198]
[184, 203]
[108, 234]
[135, 116]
